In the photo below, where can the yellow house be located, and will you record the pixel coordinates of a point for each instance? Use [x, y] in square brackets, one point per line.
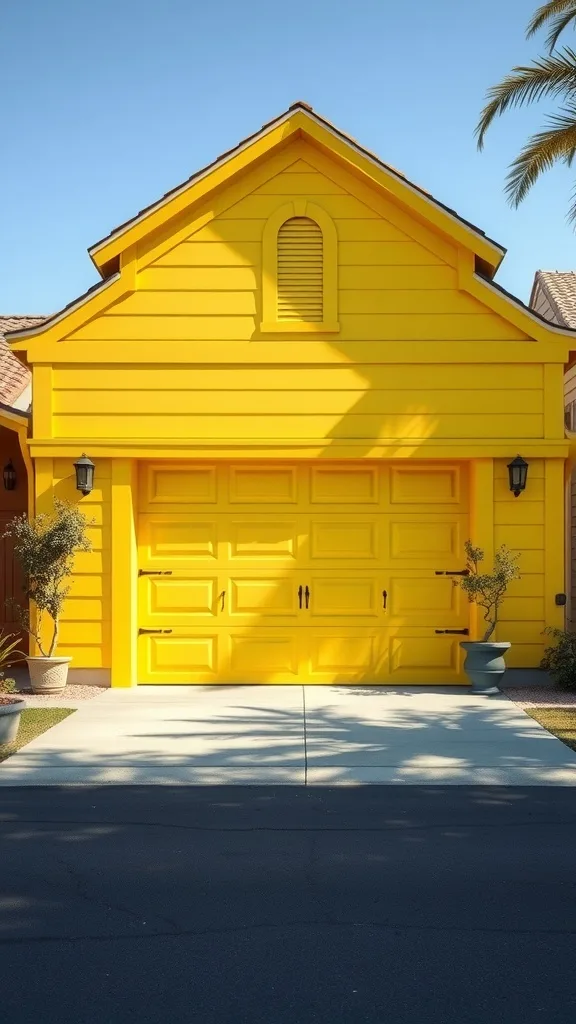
[301, 389]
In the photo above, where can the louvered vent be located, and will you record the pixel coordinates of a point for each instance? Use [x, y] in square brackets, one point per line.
[300, 271]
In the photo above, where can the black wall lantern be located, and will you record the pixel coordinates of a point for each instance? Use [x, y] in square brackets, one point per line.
[517, 475]
[9, 474]
[84, 474]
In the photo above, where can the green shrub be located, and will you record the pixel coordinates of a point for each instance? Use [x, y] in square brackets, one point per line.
[9, 653]
[45, 548]
[560, 658]
[488, 589]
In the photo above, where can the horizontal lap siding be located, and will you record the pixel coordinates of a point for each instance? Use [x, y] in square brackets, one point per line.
[519, 524]
[316, 403]
[392, 286]
[85, 628]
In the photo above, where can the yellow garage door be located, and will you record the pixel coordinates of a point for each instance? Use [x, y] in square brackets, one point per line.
[319, 573]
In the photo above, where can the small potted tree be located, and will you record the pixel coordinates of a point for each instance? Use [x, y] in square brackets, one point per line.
[45, 547]
[484, 664]
[11, 705]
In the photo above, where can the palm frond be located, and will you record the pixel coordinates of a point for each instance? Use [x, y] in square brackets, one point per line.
[558, 26]
[551, 9]
[571, 217]
[546, 76]
[556, 144]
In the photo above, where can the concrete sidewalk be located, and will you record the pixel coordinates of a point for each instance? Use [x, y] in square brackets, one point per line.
[293, 735]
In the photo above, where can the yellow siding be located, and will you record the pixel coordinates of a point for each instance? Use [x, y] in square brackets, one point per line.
[85, 628]
[392, 287]
[340, 402]
[519, 523]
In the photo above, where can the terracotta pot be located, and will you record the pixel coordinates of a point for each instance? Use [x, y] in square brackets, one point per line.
[10, 719]
[48, 675]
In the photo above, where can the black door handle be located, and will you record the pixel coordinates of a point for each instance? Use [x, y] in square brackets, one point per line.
[222, 595]
[384, 599]
[461, 632]
[307, 595]
[141, 631]
[300, 592]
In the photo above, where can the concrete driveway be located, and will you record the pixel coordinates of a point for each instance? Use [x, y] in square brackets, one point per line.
[292, 735]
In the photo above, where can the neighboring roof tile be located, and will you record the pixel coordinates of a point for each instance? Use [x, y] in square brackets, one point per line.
[14, 377]
[559, 287]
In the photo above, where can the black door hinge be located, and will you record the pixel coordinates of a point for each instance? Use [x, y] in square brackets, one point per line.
[452, 572]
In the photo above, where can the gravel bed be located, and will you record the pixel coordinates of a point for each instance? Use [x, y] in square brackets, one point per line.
[73, 695]
[540, 696]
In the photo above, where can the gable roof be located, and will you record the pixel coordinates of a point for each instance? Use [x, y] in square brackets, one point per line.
[115, 255]
[14, 376]
[310, 115]
[559, 288]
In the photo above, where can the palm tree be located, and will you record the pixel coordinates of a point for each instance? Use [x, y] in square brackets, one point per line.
[553, 75]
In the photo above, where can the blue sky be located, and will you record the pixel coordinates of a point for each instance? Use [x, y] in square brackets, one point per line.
[106, 106]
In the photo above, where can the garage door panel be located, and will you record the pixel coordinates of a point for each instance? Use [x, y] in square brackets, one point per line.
[352, 656]
[344, 539]
[178, 484]
[344, 485]
[177, 541]
[437, 659]
[429, 486]
[181, 658]
[424, 600]
[264, 654]
[264, 485]
[261, 539]
[258, 597]
[427, 541]
[170, 600]
[341, 596]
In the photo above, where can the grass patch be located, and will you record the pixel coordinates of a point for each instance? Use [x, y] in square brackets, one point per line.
[34, 722]
[561, 722]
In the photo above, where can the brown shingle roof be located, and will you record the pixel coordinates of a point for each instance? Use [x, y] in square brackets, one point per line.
[13, 375]
[559, 287]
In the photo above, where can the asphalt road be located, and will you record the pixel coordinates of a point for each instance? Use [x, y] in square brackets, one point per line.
[288, 906]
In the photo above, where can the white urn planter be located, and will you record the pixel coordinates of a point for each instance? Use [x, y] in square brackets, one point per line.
[10, 710]
[48, 675]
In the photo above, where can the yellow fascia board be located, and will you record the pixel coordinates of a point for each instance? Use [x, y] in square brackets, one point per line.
[305, 448]
[68, 320]
[13, 421]
[403, 191]
[175, 231]
[194, 192]
[326, 352]
[307, 125]
[489, 295]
